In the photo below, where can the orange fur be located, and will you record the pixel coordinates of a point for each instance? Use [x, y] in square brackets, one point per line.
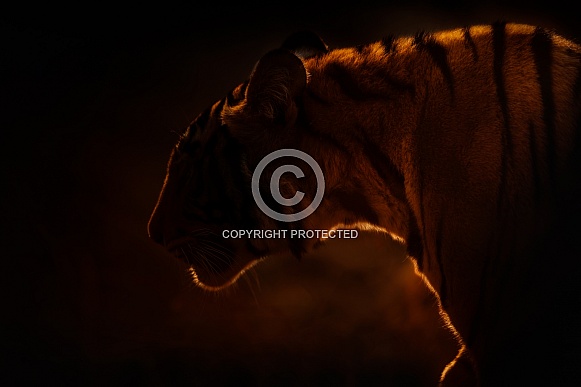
[462, 143]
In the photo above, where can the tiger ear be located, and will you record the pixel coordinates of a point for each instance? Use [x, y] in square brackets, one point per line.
[277, 79]
[305, 44]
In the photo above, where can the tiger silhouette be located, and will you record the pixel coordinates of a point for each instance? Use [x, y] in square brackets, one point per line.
[463, 143]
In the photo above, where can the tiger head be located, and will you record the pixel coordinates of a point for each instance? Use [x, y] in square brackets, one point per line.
[208, 186]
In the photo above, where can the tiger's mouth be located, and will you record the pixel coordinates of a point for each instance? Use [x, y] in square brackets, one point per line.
[204, 251]
[212, 263]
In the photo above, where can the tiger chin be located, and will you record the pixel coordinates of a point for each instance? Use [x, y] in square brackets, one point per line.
[463, 143]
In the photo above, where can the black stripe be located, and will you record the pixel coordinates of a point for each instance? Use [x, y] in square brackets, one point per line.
[354, 202]
[477, 320]
[322, 137]
[202, 120]
[359, 48]
[420, 180]
[233, 174]
[353, 89]
[470, 42]
[238, 201]
[542, 48]
[388, 43]
[577, 85]
[316, 97]
[296, 245]
[414, 243]
[243, 88]
[499, 47]
[422, 212]
[574, 163]
[219, 108]
[384, 168]
[350, 86]
[495, 242]
[210, 145]
[426, 42]
[505, 257]
[327, 139]
[216, 170]
[347, 82]
[443, 292]
[206, 192]
[537, 186]
[269, 200]
[481, 317]
[231, 99]
[204, 195]
[399, 86]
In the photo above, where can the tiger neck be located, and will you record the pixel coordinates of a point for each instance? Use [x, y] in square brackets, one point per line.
[367, 161]
[364, 186]
[364, 119]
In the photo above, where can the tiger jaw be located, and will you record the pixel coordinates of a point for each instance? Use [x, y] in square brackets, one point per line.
[210, 280]
[215, 264]
[212, 265]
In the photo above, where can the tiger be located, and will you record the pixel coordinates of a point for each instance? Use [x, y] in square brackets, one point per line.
[463, 144]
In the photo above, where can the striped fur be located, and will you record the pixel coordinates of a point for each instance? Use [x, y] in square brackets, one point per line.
[462, 143]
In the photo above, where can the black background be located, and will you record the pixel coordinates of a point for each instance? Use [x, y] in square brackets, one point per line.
[91, 99]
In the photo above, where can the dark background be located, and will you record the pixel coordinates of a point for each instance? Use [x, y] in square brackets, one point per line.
[91, 98]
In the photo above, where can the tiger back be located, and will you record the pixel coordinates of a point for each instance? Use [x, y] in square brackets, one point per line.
[464, 144]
